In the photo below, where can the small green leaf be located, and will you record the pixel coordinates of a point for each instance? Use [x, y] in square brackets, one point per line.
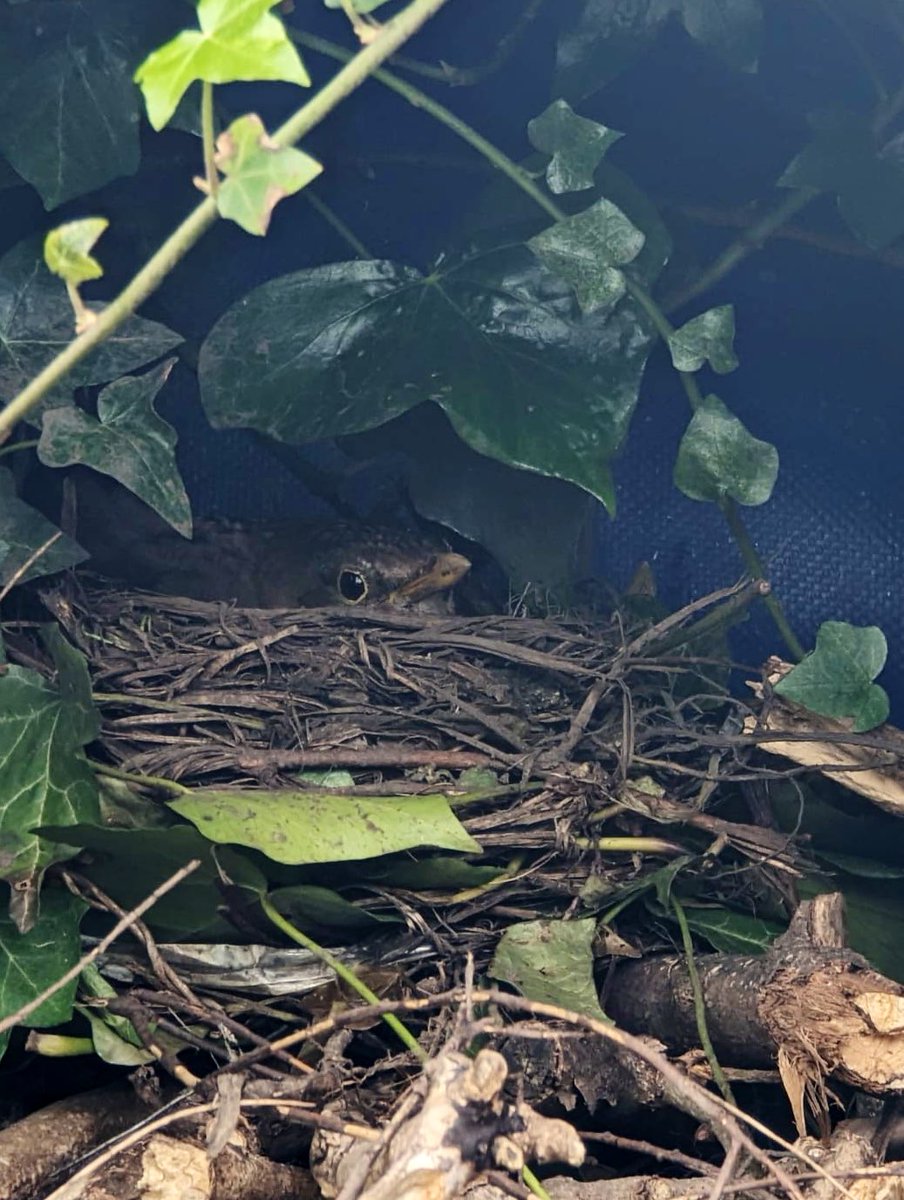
[23, 530]
[320, 908]
[42, 731]
[66, 249]
[259, 173]
[576, 144]
[127, 440]
[317, 827]
[836, 679]
[706, 338]
[238, 40]
[552, 962]
[586, 250]
[31, 962]
[719, 457]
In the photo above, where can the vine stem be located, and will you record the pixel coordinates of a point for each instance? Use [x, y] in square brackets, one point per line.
[392, 35]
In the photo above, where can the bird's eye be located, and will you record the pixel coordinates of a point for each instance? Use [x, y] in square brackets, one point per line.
[352, 585]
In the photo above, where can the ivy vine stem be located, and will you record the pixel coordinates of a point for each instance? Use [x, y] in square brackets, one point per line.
[361, 65]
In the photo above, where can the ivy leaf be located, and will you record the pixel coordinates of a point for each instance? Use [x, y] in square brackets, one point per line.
[587, 250]
[66, 250]
[732, 932]
[36, 324]
[43, 729]
[577, 146]
[238, 39]
[259, 173]
[495, 340]
[127, 440]
[317, 827]
[836, 679]
[68, 67]
[731, 29]
[708, 337]
[607, 37]
[360, 6]
[23, 530]
[719, 457]
[842, 158]
[551, 962]
[30, 962]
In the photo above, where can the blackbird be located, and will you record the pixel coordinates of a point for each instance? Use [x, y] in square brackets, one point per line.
[283, 564]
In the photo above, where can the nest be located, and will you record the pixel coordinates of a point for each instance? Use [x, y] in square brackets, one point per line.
[580, 722]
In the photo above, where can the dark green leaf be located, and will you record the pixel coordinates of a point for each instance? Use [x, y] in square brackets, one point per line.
[238, 40]
[731, 29]
[576, 144]
[31, 962]
[23, 531]
[259, 173]
[551, 962]
[36, 323]
[864, 868]
[843, 159]
[66, 250]
[608, 36]
[68, 108]
[317, 907]
[719, 457]
[433, 873]
[706, 338]
[874, 916]
[42, 731]
[316, 827]
[587, 250]
[129, 863]
[128, 441]
[836, 679]
[732, 932]
[496, 341]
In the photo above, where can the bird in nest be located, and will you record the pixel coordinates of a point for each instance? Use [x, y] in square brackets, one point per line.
[282, 564]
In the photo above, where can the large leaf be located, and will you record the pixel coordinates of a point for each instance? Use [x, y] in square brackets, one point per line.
[238, 39]
[43, 778]
[497, 341]
[69, 112]
[127, 440]
[23, 531]
[731, 29]
[130, 863]
[551, 961]
[836, 679]
[36, 323]
[316, 827]
[32, 961]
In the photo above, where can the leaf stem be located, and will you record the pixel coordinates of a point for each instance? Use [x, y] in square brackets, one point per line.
[147, 781]
[346, 974]
[208, 134]
[719, 1077]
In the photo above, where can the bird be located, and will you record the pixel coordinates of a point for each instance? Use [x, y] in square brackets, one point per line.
[269, 564]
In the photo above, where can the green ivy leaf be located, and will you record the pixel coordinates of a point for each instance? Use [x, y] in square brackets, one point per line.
[836, 679]
[36, 325]
[577, 146]
[732, 932]
[551, 962]
[719, 457]
[66, 249]
[731, 29]
[316, 827]
[238, 39]
[321, 909]
[259, 173]
[843, 159]
[30, 962]
[495, 340]
[607, 37]
[360, 6]
[708, 337]
[23, 530]
[587, 250]
[43, 730]
[127, 440]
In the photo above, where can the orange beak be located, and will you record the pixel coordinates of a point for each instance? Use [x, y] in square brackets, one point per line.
[444, 573]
